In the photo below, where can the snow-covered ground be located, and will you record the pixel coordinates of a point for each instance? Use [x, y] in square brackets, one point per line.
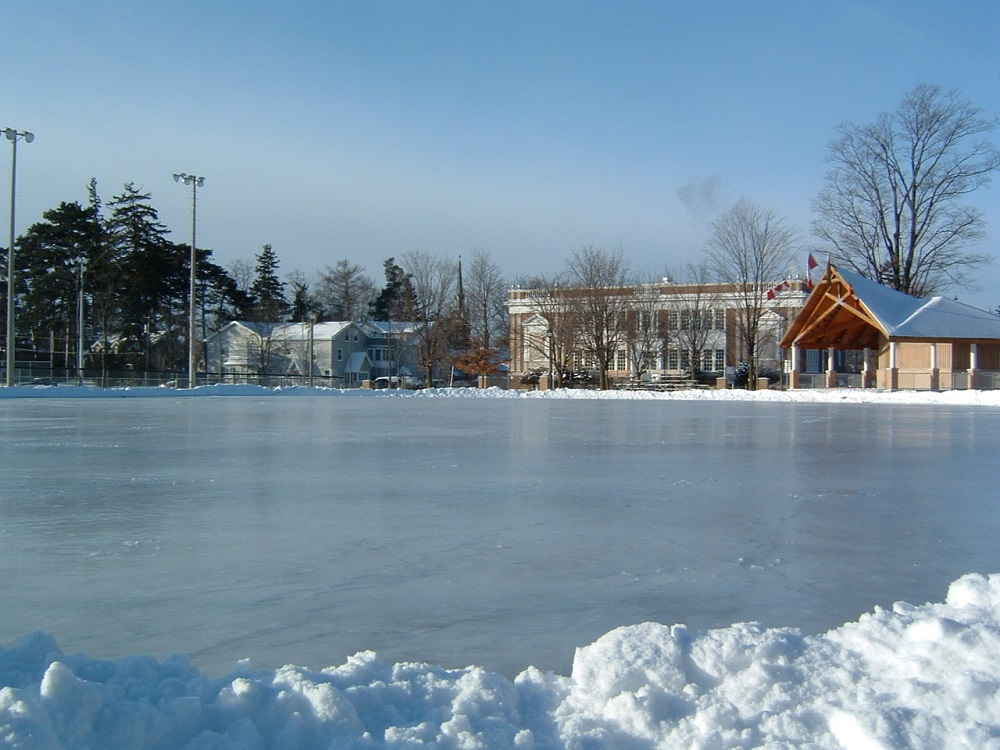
[913, 676]
[816, 396]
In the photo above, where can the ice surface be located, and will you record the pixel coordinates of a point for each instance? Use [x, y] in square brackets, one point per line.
[521, 529]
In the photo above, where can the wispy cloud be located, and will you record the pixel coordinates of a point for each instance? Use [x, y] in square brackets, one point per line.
[701, 196]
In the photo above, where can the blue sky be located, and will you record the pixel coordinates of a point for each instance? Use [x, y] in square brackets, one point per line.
[363, 130]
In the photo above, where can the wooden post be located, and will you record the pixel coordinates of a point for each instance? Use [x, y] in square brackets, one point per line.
[831, 372]
[892, 372]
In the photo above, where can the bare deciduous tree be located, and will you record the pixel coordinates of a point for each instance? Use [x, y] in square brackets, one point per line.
[750, 247]
[892, 209]
[556, 343]
[486, 314]
[693, 314]
[241, 272]
[599, 305]
[644, 330]
[433, 282]
[345, 291]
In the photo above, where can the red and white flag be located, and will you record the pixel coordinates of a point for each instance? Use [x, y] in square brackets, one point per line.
[770, 293]
[810, 265]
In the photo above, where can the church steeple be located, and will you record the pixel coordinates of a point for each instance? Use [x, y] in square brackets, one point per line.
[460, 291]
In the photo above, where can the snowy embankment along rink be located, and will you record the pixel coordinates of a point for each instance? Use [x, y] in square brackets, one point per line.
[913, 675]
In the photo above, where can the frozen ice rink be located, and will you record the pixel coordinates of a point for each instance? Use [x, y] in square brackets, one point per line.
[516, 534]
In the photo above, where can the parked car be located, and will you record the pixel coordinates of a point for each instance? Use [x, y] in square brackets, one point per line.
[396, 381]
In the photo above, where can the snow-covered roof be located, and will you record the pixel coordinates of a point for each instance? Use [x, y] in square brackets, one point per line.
[903, 316]
[390, 327]
[301, 330]
[848, 311]
[327, 330]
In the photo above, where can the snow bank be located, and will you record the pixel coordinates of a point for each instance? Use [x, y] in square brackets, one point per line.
[816, 395]
[915, 677]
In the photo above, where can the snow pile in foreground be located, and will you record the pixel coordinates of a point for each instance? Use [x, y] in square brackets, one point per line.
[916, 677]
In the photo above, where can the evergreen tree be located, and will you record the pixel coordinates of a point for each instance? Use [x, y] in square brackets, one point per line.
[51, 256]
[221, 297]
[153, 276]
[305, 307]
[101, 281]
[398, 298]
[267, 290]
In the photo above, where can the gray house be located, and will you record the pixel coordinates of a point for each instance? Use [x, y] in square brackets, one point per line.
[340, 353]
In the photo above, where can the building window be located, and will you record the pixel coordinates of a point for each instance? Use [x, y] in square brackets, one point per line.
[706, 359]
[584, 362]
[720, 360]
[673, 318]
[622, 360]
[673, 362]
[535, 346]
[340, 355]
[720, 319]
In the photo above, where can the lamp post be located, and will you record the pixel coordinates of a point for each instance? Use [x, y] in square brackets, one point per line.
[550, 334]
[195, 183]
[13, 136]
[81, 264]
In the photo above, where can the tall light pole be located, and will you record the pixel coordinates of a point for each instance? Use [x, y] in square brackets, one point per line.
[195, 183]
[81, 263]
[13, 136]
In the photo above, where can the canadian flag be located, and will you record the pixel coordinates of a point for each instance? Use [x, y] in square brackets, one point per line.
[770, 293]
[810, 265]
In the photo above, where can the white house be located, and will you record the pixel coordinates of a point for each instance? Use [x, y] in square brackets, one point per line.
[343, 353]
[336, 351]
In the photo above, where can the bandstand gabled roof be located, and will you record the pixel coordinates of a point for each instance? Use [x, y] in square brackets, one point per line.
[847, 311]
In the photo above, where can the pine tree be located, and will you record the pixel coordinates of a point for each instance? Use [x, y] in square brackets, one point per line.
[305, 308]
[398, 299]
[50, 255]
[153, 274]
[267, 290]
